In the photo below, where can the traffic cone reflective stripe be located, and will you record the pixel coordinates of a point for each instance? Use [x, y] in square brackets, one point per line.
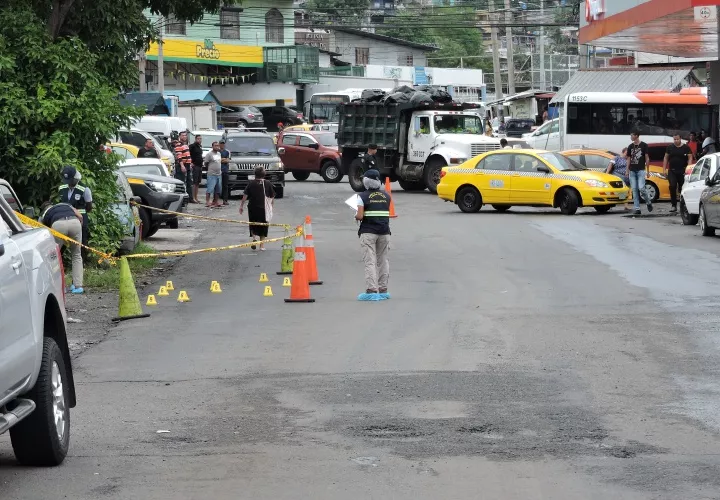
[388, 190]
[309, 249]
[300, 288]
[129, 303]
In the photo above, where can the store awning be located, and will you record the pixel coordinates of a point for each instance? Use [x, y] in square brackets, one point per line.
[683, 28]
[153, 102]
[194, 96]
[625, 80]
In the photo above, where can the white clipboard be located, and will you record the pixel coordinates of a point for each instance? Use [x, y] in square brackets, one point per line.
[352, 202]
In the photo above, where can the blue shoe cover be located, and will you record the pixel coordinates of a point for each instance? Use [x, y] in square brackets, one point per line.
[384, 296]
[369, 297]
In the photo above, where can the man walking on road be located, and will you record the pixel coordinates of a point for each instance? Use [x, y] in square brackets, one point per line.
[225, 169]
[183, 164]
[637, 158]
[373, 212]
[196, 156]
[67, 220]
[214, 172]
[677, 158]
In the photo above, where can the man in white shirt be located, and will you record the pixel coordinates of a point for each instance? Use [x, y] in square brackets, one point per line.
[214, 173]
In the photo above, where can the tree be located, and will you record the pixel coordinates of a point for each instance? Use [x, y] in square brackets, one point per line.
[340, 9]
[63, 64]
[560, 43]
[451, 30]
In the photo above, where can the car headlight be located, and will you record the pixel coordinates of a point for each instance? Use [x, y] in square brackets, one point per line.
[275, 166]
[595, 183]
[162, 187]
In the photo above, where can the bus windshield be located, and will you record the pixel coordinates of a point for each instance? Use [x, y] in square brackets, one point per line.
[458, 124]
[324, 108]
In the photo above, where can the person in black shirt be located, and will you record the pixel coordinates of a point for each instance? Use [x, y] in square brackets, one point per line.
[369, 160]
[260, 196]
[637, 158]
[196, 156]
[373, 212]
[676, 160]
[148, 150]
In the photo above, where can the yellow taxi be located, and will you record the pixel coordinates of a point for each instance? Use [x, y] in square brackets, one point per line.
[529, 177]
[599, 159]
[128, 152]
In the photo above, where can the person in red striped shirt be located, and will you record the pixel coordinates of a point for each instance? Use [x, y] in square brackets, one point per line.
[183, 164]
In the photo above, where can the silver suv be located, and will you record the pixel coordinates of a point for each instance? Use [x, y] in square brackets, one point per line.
[240, 116]
[37, 388]
[249, 150]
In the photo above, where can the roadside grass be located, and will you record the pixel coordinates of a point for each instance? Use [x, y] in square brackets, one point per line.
[105, 277]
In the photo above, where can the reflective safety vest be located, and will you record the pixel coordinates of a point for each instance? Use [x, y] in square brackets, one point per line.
[78, 197]
[376, 213]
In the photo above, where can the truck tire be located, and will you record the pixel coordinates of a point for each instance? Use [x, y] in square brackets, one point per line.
[43, 438]
[355, 173]
[330, 171]
[301, 176]
[146, 220]
[412, 185]
[431, 175]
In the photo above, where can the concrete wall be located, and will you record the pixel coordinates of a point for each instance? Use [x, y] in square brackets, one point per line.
[381, 52]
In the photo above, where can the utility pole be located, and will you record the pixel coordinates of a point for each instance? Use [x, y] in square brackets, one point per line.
[510, 59]
[496, 52]
[541, 46]
[160, 62]
[142, 64]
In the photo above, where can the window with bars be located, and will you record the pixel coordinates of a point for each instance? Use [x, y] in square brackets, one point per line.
[405, 59]
[230, 25]
[362, 56]
[174, 26]
[274, 26]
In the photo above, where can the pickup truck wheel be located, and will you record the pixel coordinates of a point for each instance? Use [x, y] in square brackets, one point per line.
[153, 229]
[355, 173]
[43, 438]
[431, 176]
[330, 171]
[174, 224]
[146, 220]
[412, 185]
[301, 176]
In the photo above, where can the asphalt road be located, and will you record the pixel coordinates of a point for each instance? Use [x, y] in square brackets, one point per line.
[524, 355]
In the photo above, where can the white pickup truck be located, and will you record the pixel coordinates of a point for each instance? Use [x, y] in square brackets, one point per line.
[37, 388]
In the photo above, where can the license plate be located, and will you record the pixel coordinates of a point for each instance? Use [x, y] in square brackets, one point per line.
[622, 196]
[251, 177]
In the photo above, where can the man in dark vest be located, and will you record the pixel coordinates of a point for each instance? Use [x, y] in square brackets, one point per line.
[373, 212]
[67, 221]
[369, 160]
[77, 196]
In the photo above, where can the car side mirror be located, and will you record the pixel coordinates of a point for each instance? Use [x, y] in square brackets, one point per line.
[543, 168]
[281, 151]
[314, 145]
[709, 181]
[29, 212]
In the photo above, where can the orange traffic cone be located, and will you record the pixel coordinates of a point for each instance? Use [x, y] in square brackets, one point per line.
[309, 249]
[300, 288]
[388, 190]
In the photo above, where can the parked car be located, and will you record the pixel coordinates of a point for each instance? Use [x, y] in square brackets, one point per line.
[240, 116]
[546, 137]
[155, 189]
[280, 114]
[37, 388]
[709, 218]
[249, 150]
[137, 138]
[127, 213]
[311, 152]
[694, 186]
[599, 159]
[517, 127]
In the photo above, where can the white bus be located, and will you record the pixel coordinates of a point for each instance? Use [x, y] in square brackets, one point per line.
[323, 106]
[604, 120]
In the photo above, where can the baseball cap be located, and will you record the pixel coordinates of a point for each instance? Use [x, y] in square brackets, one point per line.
[372, 174]
[69, 172]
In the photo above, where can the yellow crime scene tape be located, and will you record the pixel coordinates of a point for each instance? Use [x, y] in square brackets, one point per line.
[217, 219]
[113, 260]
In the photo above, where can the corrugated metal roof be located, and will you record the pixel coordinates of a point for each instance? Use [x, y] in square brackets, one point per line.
[623, 80]
[193, 95]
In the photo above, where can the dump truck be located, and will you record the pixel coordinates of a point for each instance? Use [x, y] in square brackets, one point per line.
[414, 141]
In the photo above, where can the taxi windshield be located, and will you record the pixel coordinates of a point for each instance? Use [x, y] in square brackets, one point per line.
[560, 162]
[458, 124]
